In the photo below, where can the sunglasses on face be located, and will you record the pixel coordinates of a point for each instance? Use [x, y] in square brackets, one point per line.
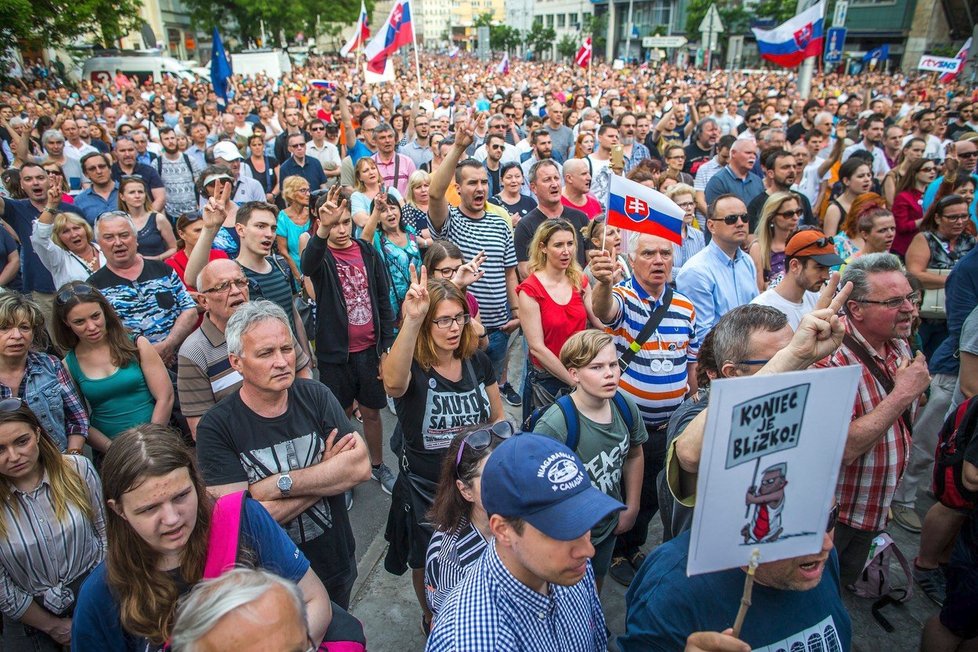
[480, 439]
[789, 214]
[730, 220]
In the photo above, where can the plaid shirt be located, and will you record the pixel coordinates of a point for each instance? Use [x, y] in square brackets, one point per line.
[866, 486]
[74, 419]
[491, 610]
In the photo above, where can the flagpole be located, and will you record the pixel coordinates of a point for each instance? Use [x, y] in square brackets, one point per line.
[417, 62]
[589, 78]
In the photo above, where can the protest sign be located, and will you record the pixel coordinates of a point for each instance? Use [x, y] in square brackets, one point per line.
[771, 455]
[931, 63]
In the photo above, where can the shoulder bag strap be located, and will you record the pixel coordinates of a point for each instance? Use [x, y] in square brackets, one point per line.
[222, 541]
[881, 376]
[654, 320]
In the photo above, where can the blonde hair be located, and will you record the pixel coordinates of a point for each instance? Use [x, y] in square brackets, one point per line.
[765, 225]
[360, 186]
[15, 307]
[680, 189]
[62, 220]
[538, 257]
[147, 203]
[582, 347]
[416, 179]
[291, 187]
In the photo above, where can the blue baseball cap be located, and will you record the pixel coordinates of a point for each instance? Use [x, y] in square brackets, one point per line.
[543, 482]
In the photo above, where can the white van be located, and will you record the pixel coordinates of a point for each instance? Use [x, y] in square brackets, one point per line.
[142, 64]
[273, 63]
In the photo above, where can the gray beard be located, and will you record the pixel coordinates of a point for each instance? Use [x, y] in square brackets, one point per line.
[628, 141]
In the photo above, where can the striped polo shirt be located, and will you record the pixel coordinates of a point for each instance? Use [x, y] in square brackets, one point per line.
[656, 378]
[204, 372]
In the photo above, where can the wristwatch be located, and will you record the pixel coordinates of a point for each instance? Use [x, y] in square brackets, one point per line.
[284, 484]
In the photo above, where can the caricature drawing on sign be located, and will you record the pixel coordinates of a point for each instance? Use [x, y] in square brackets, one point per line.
[768, 502]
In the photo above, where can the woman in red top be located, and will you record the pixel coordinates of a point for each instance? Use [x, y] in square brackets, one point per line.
[555, 303]
[908, 203]
[189, 226]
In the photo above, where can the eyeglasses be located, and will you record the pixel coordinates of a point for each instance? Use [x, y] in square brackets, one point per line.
[833, 518]
[960, 217]
[303, 191]
[795, 213]
[479, 440]
[11, 403]
[753, 363]
[928, 168]
[446, 322]
[677, 156]
[730, 220]
[82, 290]
[686, 205]
[894, 303]
[221, 288]
[510, 115]
[968, 154]
[317, 128]
[446, 272]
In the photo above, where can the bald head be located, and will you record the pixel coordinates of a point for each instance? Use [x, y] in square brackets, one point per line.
[574, 166]
[216, 269]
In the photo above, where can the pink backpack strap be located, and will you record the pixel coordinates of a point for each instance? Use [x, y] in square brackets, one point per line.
[222, 543]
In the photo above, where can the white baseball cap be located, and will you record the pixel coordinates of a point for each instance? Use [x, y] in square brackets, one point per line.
[227, 150]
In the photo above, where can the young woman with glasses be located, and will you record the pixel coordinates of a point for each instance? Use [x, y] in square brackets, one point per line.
[43, 560]
[120, 376]
[460, 521]
[444, 260]
[907, 205]
[778, 220]
[441, 383]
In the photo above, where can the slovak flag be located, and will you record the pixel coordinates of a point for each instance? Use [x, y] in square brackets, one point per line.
[634, 207]
[962, 54]
[360, 34]
[395, 32]
[454, 52]
[790, 43]
[583, 56]
[503, 67]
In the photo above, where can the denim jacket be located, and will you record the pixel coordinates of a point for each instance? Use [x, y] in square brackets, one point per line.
[52, 396]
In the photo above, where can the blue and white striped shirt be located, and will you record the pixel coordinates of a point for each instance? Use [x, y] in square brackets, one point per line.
[491, 610]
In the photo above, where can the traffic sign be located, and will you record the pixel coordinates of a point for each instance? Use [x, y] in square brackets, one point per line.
[711, 21]
[664, 41]
[835, 41]
[841, 11]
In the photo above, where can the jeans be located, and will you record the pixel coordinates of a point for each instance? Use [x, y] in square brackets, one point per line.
[18, 637]
[498, 341]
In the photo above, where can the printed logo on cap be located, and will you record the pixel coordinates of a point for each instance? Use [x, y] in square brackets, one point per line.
[561, 471]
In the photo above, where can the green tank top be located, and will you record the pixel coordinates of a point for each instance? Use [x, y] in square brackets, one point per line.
[117, 402]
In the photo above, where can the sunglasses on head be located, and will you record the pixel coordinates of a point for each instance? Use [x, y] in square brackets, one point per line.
[833, 518]
[480, 439]
[11, 403]
[81, 290]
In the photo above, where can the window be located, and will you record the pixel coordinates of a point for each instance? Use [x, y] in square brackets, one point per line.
[561, 20]
[550, 20]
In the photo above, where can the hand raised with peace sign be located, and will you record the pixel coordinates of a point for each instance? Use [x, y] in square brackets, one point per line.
[216, 208]
[332, 209]
[415, 305]
[470, 272]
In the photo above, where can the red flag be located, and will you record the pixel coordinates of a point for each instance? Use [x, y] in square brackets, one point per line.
[583, 57]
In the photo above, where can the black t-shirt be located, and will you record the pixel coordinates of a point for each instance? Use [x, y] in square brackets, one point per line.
[695, 157]
[521, 207]
[523, 234]
[235, 444]
[435, 409]
[795, 132]
[7, 246]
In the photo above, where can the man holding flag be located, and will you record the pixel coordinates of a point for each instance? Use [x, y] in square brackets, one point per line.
[656, 334]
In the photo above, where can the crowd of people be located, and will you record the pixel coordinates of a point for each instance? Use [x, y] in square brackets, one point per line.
[206, 306]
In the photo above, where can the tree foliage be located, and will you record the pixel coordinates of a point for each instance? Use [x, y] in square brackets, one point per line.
[567, 46]
[597, 27]
[539, 38]
[504, 38]
[736, 20]
[60, 22]
[288, 17]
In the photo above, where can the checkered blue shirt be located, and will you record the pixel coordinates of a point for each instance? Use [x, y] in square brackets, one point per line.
[491, 610]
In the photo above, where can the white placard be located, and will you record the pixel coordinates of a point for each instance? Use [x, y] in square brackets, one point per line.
[771, 455]
[938, 64]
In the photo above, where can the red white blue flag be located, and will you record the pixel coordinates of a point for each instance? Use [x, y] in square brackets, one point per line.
[395, 32]
[962, 54]
[792, 42]
[360, 34]
[503, 67]
[634, 207]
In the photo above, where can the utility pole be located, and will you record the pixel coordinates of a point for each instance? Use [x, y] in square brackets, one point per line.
[807, 68]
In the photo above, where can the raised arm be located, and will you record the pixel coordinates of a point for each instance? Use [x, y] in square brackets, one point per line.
[397, 366]
[350, 134]
[214, 213]
[437, 205]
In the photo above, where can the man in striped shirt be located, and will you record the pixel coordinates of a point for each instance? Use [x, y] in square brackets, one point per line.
[475, 231]
[660, 375]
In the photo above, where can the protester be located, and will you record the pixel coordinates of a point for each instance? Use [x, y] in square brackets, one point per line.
[856, 177]
[120, 375]
[608, 238]
[693, 240]
[189, 227]
[154, 234]
[38, 482]
[64, 244]
[460, 523]
[398, 245]
[538, 560]
[292, 221]
[154, 555]
[415, 209]
[912, 150]
[779, 217]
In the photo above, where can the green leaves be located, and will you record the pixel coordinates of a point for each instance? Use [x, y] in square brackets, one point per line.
[59, 22]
